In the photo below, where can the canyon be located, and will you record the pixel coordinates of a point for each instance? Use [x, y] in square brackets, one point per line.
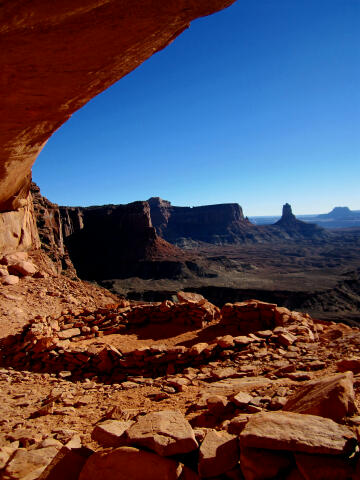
[223, 255]
[95, 385]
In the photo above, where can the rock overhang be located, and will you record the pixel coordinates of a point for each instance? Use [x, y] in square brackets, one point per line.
[58, 57]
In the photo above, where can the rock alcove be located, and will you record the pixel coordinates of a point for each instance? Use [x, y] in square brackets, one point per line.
[57, 58]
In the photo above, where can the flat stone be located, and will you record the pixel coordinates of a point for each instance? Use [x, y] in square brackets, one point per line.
[234, 385]
[227, 372]
[129, 463]
[69, 333]
[286, 338]
[332, 397]
[219, 452]
[297, 432]
[166, 433]
[243, 340]
[111, 433]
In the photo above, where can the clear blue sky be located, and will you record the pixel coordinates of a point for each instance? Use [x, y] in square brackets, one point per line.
[258, 104]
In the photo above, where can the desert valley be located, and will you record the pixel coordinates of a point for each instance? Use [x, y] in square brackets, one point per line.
[147, 341]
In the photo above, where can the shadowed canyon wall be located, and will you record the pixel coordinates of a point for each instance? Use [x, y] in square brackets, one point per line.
[57, 55]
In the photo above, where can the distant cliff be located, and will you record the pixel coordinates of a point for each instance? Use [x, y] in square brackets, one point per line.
[109, 241]
[339, 217]
[224, 223]
[139, 239]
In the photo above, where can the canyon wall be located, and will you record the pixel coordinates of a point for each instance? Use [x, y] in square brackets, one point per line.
[117, 241]
[222, 223]
[225, 223]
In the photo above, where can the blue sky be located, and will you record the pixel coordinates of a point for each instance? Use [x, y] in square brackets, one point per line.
[258, 104]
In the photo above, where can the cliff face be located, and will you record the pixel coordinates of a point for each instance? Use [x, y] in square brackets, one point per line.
[116, 241]
[18, 229]
[52, 224]
[223, 223]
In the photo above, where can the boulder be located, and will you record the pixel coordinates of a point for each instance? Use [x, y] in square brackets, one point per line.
[6, 452]
[68, 462]
[29, 464]
[324, 467]
[111, 433]
[346, 364]
[332, 397]
[219, 452]
[297, 432]
[187, 297]
[129, 463]
[10, 280]
[242, 399]
[14, 258]
[166, 433]
[261, 464]
[22, 268]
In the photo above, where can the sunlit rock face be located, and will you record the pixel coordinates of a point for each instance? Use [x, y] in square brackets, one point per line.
[57, 55]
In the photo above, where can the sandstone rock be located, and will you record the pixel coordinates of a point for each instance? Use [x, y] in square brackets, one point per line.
[111, 433]
[12, 258]
[346, 364]
[227, 372]
[219, 452]
[225, 342]
[166, 433]
[4, 272]
[277, 403]
[68, 462]
[129, 463]
[286, 338]
[261, 464]
[29, 464]
[6, 452]
[243, 340]
[22, 268]
[217, 404]
[10, 280]
[242, 399]
[297, 432]
[332, 397]
[237, 424]
[187, 297]
[69, 333]
[324, 467]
